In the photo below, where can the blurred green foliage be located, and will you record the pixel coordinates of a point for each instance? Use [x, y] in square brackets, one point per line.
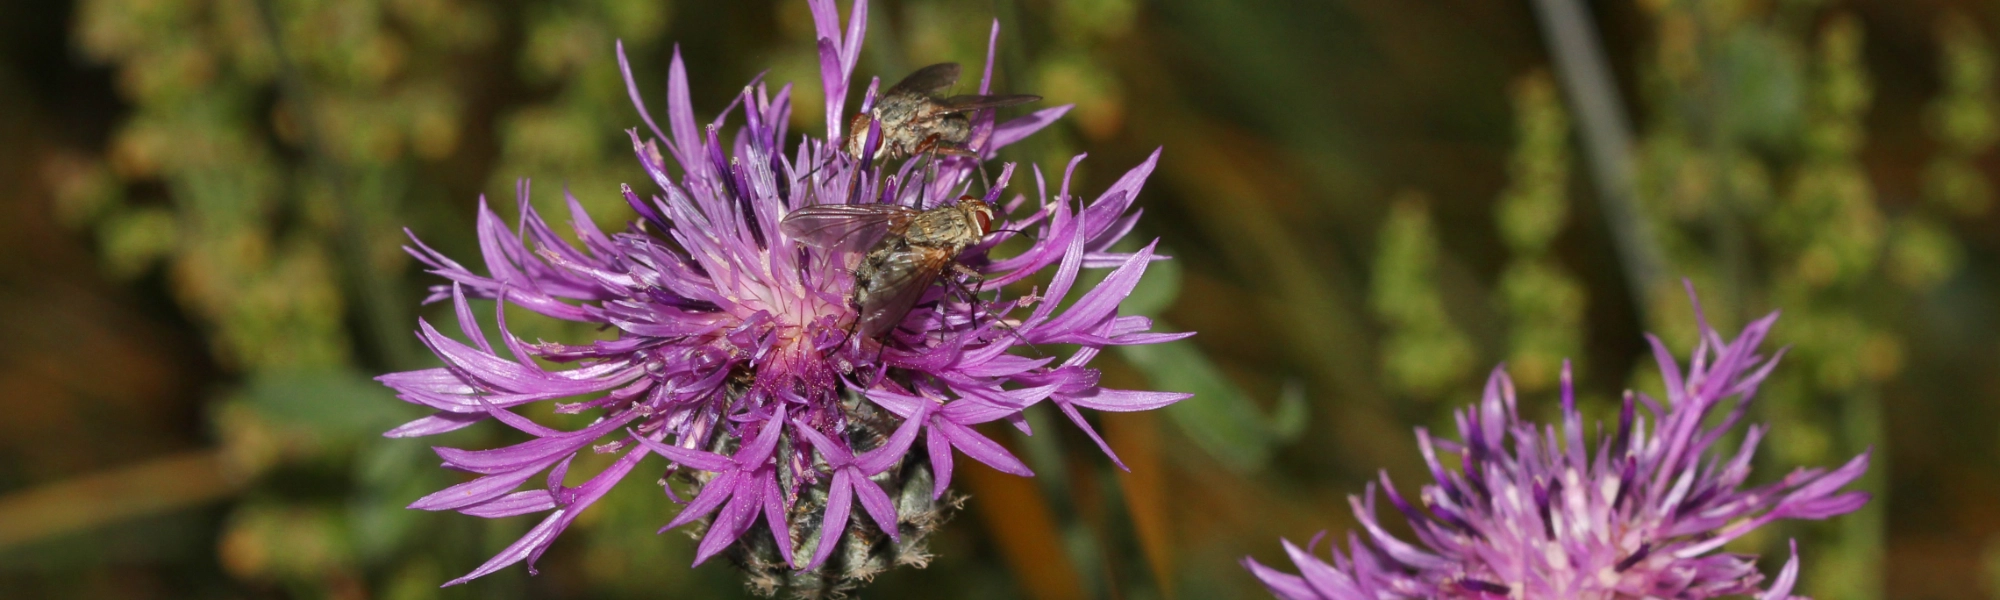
[290, 140]
[1220, 418]
[1422, 354]
[1965, 118]
[1543, 302]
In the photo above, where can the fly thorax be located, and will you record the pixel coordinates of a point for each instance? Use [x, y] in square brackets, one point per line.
[938, 229]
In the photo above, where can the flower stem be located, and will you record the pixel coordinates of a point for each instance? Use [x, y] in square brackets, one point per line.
[1607, 141]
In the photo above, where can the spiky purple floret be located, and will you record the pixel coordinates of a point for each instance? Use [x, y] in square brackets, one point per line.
[731, 338]
[1639, 513]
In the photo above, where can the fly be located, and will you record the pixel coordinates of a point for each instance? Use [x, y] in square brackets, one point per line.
[914, 120]
[906, 250]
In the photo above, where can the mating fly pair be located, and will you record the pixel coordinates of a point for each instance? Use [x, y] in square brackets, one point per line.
[906, 249]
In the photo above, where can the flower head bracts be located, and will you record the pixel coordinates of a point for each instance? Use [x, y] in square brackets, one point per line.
[733, 357]
[1640, 512]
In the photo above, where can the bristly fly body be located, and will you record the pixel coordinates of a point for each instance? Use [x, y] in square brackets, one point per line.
[907, 250]
[914, 120]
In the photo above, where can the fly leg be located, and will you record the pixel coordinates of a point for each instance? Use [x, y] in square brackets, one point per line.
[929, 150]
[971, 291]
[978, 278]
[936, 145]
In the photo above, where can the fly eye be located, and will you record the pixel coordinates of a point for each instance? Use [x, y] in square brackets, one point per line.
[984, 218]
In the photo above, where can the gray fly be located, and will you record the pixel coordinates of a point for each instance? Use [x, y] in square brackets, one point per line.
[915, 120]
[906, 250]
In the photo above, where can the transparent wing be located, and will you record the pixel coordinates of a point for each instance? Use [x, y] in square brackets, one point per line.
[976, 102]
[898, 283]
[926, 81]
[845, 227]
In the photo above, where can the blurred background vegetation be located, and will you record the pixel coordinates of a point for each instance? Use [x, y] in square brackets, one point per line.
[1370, 202]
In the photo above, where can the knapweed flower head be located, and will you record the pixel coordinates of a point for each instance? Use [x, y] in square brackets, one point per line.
[733, 353]
[1639, 512]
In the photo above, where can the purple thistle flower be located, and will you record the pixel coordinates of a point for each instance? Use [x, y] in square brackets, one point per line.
[1636, 514]
[733, 357]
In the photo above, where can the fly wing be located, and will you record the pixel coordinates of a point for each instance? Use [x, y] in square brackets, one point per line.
[845, 227]
[899, 281]
[975, 102]
[926, 81]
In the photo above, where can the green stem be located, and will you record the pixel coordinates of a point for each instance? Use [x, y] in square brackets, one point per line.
[1607, 141]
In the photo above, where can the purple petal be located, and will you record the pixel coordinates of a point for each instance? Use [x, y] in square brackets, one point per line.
[632, 89]
[476, 491]
[1020, 128]
[838, 53]
[1285, 585]
[1066, 272]
[467, 324]
[686, 145]
[1398, 549]
[1102, 215]
[1102, 301]
[904, 405]
[706, 461]
[1141, 339]
[1077, 418]
[939, 447]
[530, 546]
[1670, 369]
[730, 523]
[434, 424]
[510, 457]
[543, 533]
[839, 500]
[888, 454]
[1325, 581]
[835, 82]
[836, 454]
[1781, 589]
[982, 449]
[857, 29]
[758, 451]
[1125, 400]
[515, 504]
[440, 380]
[878, 506]
[774, 517]
[510, 376]
[826, 19]
[975, 410]
[1831, 482]
[712, 495]
[519, 422]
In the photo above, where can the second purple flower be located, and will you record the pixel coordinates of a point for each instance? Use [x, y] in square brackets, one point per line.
[1641, 509]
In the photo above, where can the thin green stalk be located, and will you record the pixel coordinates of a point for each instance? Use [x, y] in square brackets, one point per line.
[1607, 141]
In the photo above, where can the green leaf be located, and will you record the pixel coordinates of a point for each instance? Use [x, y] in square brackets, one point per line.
[334, 402]
[1288, 421]
[1220, 418]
